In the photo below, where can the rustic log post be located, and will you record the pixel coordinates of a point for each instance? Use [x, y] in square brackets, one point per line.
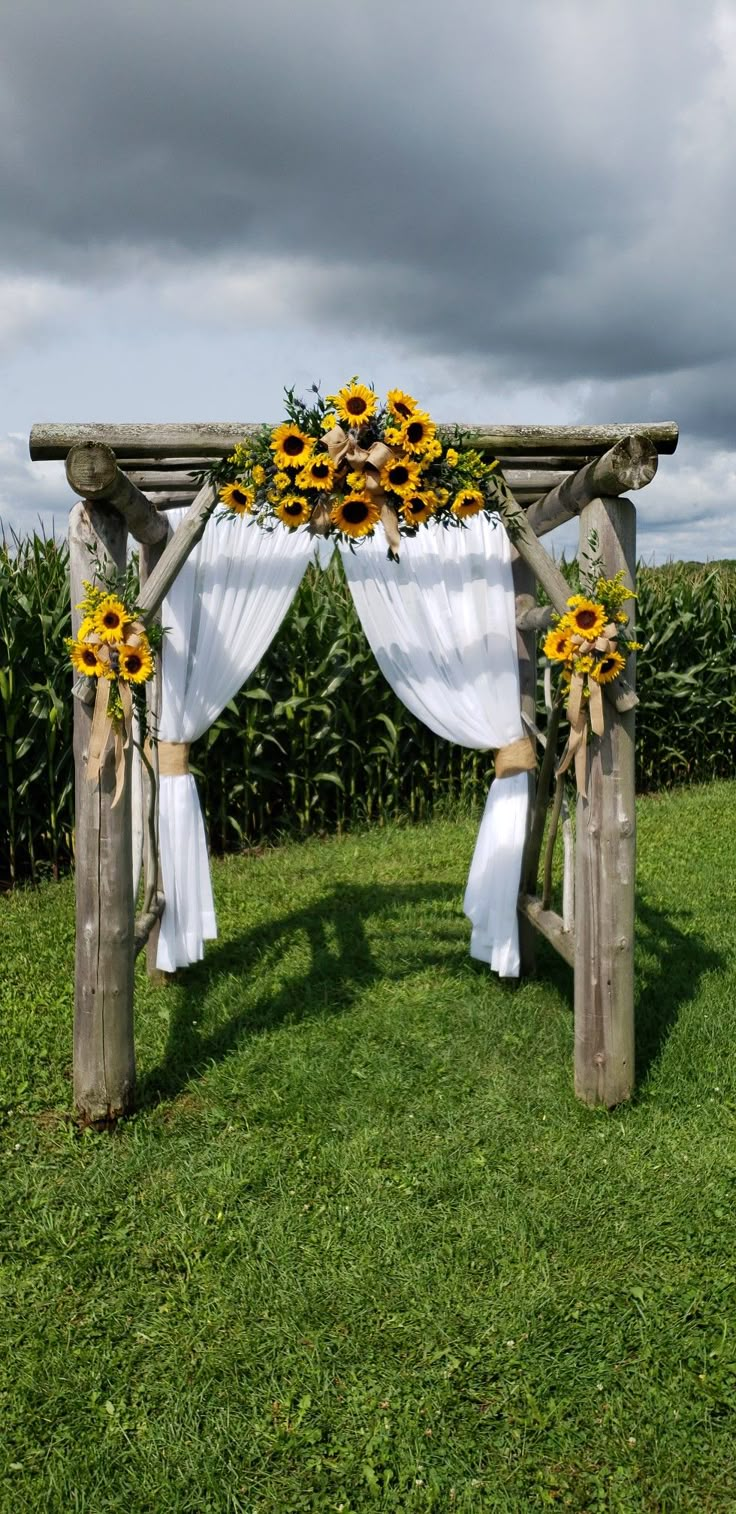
[605, 860]
[104, 1055]
[525, 589]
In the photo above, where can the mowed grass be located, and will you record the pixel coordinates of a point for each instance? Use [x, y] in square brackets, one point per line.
[361, 1249]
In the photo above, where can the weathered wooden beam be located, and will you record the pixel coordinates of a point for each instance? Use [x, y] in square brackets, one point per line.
[218, 438]
[93, 473]
[104, 1055]
[605, 863]
[176, 552]
[146, 923]
[630, 464]
[556, 587]
[535, 833]
[153, 887]
[526, 645]
[538, 618]
[550, 925]
[166, 481]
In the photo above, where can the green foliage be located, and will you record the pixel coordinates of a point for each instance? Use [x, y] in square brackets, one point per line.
[316, 741]
[360, 1248]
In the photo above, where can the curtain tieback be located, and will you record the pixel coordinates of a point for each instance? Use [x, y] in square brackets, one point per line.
[173, 759]
[518, 757]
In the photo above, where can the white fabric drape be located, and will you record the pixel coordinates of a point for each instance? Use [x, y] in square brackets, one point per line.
[442, 626]
[220, 615]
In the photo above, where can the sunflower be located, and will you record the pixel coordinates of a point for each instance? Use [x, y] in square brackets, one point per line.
[110, 617]
[135, 664]
[400, 475]
[452, 457]
[355, 514]
[608, 668]
[291, 446]
[318, 473]
[293, 510]
[356, 403]
[85, 659]
[557, 644]
[239, 498]
[281, 481]
[468, 502]
[329, 421]
[418, 507]
[586, 617]
[401, 404]
[418, 432]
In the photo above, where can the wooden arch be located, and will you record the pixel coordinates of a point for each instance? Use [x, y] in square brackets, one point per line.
[125, 478]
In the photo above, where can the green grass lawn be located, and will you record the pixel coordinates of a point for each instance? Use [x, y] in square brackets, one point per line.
[361, 1249]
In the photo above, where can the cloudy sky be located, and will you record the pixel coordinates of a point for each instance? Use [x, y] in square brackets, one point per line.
[518, 212]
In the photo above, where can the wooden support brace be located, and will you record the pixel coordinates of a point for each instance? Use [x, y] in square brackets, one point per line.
[550, 925]
[526, 645]
[92, 471]
[605, 863]
[176, 552]
[630, 464]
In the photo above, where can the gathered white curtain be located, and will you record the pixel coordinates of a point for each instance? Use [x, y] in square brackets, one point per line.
[442, 626]
[220, 616]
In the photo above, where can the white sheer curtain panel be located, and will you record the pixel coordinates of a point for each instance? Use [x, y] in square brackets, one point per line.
[220, 615]
[442, 626]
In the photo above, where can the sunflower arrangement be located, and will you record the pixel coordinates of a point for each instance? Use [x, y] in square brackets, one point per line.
[112, 643]
[590, 639]
[344, 464]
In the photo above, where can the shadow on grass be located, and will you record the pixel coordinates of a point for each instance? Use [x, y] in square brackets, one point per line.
[341, 965]
[670, 964]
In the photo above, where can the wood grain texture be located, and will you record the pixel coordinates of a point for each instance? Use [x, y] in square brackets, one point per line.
[176, 552]
[218, 438]
[550, 925]
[630, 464]
[104, 1055]
[605, 864]
[92, 472]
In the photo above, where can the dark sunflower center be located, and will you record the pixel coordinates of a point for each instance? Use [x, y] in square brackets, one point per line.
[111, 620]
[293, 508]
[607, 664]
[399, 474]
[402, 409]
[134, 663]
[293, 446]
[320, 470]
[356, 405]
[585, 619]
[416, 506]
[89, 657]
[415, 431]
[355, 511]
[239, 497]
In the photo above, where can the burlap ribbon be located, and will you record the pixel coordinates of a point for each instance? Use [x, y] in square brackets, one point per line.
[103, 726]
[173, 759]
[578, 709]
[348, 457]
[517, 757]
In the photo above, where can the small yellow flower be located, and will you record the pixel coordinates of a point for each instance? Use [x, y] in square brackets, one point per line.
[239, 498]
[110, 618]
[608, 668]
[355, 403]
[584, 663]
[355, 480]
[401, 404]
[259, 475]
[291, 446]
[587, 617]
[621, 617]
[281, 481]
[442, 496]
[557, 644]
[452, 457]
[434, 449]
[329, 421]
[355, 515]
[400, 475]
[135, 664]
[85, 659]
[468, 502]
[318, 473]
[293, 510]
[392, 436]
[636, 646]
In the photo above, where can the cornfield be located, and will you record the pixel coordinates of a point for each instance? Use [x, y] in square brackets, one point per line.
[316, 741]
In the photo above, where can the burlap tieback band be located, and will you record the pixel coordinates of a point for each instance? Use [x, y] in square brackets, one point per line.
[518, 757]
[173, 759]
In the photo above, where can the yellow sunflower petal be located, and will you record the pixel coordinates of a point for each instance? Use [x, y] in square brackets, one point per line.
[468, 502]
[239, 498]
[401, 404]
[355, 403]
[608, 668]
[293, 510]
[355, 515]
[291, 446]
[110, 617]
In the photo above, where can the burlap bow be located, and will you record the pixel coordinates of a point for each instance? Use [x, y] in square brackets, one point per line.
[348, 457]
[578, 708]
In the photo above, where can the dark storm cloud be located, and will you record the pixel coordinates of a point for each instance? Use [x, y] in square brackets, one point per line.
[546, 186]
